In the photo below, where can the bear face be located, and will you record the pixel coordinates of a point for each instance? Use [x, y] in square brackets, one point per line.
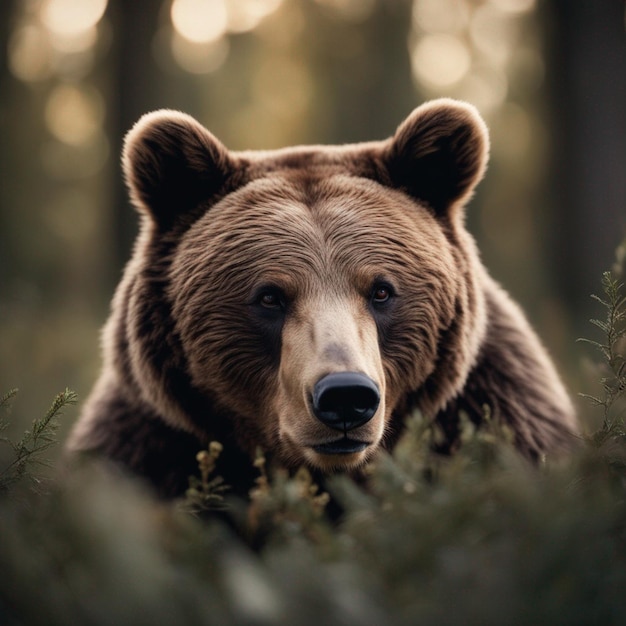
[304, 270]
[304, 300]
[269, 300]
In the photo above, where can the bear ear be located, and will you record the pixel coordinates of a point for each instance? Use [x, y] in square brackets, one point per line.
[172, 164]
[439, 154]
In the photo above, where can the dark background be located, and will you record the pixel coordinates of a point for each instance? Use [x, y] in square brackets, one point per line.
[548, 76]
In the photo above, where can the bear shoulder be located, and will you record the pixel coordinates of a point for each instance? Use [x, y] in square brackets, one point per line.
[515, 382]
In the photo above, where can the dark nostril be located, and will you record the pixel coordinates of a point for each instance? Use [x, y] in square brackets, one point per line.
[345, 400]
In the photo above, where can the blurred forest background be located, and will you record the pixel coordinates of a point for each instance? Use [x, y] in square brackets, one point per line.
[548, 76]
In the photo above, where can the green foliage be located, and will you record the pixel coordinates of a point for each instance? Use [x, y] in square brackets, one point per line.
[26, 458]
[613, 380]
[610, 439]
[478, 538]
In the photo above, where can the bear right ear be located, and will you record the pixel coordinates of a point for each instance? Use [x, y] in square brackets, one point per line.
[172, 164]
[439, 154]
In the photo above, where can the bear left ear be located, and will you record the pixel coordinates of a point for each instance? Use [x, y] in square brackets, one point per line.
[439, 154]
[172, 165]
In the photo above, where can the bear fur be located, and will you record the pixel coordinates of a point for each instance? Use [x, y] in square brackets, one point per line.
[257, 274]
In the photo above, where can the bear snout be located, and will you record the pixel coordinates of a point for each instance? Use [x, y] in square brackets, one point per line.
[345, 400]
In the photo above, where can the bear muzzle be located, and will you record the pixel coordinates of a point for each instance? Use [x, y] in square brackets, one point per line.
[345, 400]
[331, 388]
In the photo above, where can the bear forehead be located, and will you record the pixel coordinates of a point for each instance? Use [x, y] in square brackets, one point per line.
[319, 203]
[308, 210]
[299, 225]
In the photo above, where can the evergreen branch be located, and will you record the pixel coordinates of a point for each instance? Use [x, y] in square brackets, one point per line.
[27, 451]
[7, 398]
[614, 383]
[603, 326]
[5, 404]
[593, 399]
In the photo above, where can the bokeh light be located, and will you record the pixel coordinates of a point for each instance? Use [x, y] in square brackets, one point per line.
[440, 60]
[74, 114]
[30, 53]
[55, 38]
[493, 33]
[76, 42]
[486, 87]
[198, 43]
[246, 15]
[198, 58]
[515, 6]
[441, 16]
[200, 21]
[70, 18]
[473, 50]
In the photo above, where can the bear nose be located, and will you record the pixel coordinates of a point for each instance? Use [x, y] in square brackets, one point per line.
[345, 400]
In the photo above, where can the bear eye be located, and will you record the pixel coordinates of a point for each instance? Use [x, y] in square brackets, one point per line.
[381, 294]
[271, 298]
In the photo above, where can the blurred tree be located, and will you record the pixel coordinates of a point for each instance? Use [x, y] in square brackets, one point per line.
[134, 89]
[586, 42]
[363, 72]
[6, 12]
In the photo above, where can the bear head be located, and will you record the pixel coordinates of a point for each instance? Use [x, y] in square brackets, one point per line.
[303, 299]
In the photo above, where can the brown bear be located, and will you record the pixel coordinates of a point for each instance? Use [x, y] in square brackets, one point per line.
[305, 300]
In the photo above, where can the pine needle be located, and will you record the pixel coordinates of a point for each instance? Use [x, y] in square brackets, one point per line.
[27, 454]
[612, 348]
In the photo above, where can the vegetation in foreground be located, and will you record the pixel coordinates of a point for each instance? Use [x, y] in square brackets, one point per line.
[478, 538]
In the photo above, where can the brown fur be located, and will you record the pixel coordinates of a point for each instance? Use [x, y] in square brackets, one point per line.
[191, 354]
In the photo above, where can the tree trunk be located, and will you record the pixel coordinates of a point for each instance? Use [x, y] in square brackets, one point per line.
[587, 72]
